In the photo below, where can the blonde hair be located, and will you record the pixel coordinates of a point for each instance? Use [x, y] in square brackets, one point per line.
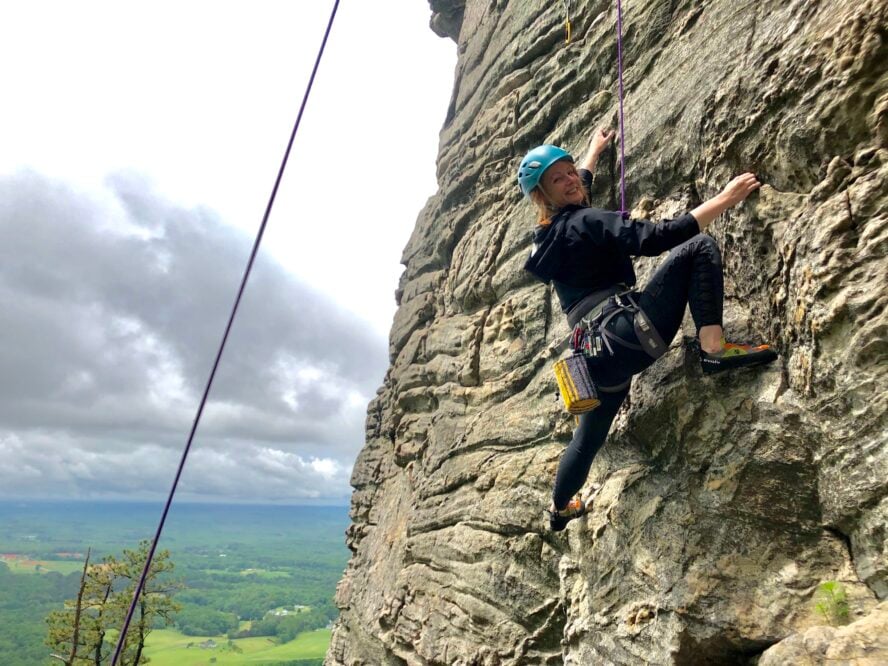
[545, 210]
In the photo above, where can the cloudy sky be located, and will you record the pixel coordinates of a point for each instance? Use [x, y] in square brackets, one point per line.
[138, 146]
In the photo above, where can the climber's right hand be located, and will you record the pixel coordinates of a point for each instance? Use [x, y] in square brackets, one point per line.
[601, 137]
[739, 188]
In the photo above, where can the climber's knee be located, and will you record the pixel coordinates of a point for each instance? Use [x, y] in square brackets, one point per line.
[705, 243]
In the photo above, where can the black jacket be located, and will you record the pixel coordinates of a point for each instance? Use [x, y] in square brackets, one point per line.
[585, 249]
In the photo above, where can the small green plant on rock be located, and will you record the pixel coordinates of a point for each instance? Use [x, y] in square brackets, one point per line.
[831, 602]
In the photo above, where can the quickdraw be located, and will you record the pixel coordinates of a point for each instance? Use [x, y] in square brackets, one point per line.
[567, 27]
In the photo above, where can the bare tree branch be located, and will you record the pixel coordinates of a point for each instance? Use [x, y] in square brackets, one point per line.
[79, 607]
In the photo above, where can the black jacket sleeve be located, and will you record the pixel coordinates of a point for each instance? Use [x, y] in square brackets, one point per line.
[587, 178]
[596, 189]
[604, 228]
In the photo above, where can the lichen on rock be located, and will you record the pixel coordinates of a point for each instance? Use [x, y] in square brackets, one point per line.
[722, 503]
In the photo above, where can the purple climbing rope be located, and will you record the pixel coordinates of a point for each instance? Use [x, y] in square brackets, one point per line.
[129, 616]
[622, 131]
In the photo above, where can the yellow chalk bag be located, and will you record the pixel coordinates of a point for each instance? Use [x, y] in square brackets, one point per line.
[575, 384]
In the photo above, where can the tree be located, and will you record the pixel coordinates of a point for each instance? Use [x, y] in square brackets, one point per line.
[199, 621]
[79, 633]
[59, 622]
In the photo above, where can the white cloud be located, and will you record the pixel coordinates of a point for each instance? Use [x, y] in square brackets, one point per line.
[201, 96]
[114, 290]
[101, 369]
[325, 467]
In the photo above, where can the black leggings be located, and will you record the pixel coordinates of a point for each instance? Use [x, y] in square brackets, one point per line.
[691, 275]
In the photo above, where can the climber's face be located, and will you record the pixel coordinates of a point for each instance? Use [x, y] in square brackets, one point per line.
[562, 185]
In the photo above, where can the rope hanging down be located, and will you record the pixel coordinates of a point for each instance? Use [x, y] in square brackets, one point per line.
[129, 616]
[622, 133]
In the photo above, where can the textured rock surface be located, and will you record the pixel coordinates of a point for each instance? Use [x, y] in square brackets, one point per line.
[723, 502]
[862, 643]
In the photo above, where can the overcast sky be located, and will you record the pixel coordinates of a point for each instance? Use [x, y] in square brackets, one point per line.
[138, 146]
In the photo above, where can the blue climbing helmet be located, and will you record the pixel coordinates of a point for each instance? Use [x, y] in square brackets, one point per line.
[536, 162]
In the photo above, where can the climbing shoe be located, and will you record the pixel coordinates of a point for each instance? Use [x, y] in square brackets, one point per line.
[558, 520]
[735, 356]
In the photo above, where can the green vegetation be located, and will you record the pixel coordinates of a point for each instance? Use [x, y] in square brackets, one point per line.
[25, 565]
[287, 627]
[203, 621]
[238, 563]
[24, 603]
[80, 633]
[831, 602]
[171, 648]
[263, 573]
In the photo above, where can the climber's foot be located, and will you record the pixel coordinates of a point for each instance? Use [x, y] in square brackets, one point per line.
[735, 356]
[558, 520]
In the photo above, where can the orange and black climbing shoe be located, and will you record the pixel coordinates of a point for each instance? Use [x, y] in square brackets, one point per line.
[558, 520]
[736, 356]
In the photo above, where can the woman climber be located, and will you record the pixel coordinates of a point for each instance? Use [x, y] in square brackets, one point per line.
[585, 253]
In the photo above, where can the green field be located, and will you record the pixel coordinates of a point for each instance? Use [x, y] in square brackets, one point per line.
[259, 573]
[264, 573]
[43, 566]
[238, 565]
[167, 647]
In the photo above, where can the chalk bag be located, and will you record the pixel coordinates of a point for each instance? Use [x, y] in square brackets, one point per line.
[575, 383]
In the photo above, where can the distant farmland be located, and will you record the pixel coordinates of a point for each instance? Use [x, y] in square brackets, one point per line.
[23, 564]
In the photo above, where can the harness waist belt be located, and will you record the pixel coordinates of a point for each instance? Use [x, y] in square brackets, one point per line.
[588, 303]
[648, 337]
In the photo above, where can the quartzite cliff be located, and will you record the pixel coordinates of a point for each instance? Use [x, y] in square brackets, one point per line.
[724, 502]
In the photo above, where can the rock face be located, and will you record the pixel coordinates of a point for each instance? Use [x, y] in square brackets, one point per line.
[723, 502]
[862, 643]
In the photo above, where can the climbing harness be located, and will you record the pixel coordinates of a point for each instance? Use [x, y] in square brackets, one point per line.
[590, 305]
[648, 337]
[141, 585]
[590, 339]
[578, 389]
